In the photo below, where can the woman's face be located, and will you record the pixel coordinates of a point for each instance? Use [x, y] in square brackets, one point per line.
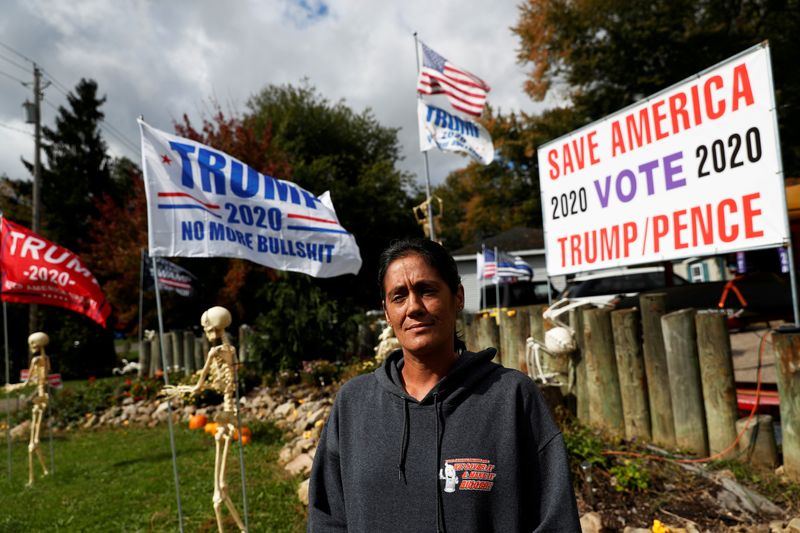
[420, 306]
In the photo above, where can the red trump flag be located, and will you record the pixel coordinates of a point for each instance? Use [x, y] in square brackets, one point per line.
[36, 271]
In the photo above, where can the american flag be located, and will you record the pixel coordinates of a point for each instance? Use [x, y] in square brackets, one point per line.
[465, 91]
[508, 269]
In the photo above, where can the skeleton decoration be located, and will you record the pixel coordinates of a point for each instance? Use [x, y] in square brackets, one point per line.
[37, 377]
[218, 374]
[388, 343]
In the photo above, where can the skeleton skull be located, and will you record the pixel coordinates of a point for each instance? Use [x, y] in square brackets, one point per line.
[214, 322]
[37, 341]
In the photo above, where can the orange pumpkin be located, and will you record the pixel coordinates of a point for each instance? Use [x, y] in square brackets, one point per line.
[197, 421]
[246, 432]
[245, 439]
[211, 428]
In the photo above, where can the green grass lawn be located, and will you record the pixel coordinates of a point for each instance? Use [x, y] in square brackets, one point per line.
[121, 480]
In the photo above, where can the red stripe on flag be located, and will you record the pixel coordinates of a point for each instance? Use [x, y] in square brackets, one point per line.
[315, 219]
[186, 195]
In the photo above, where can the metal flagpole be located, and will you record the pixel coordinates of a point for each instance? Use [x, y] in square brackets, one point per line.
[425, 154]
[8, 380]
[483, 276]
[241, 444]
[50, 436]
[143, 371]
[169, 401]
[497, 284]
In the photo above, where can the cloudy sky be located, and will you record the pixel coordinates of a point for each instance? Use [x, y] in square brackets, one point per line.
[163, 59]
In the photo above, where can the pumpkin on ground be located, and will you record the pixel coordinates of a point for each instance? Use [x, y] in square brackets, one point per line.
[197, 421]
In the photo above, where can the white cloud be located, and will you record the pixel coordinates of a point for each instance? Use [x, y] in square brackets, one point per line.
[165, 59]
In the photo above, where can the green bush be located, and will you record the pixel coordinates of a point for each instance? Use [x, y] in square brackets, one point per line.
[583, 445]
[630, 476]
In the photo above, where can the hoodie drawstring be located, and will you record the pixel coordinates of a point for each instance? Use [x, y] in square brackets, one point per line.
[401, 464]
[439, 508]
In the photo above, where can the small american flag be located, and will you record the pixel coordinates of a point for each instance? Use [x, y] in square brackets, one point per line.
[465, 91]
[510, 268]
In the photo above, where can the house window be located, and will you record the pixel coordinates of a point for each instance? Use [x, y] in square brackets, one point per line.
[698, 272]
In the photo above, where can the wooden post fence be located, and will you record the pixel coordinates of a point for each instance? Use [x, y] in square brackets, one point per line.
[662, 422]
[488, 334]
[632, 378]
[719, 386]
[579, 363]
[514, 331]
[685, 386]
[605, 404]
[786, 346]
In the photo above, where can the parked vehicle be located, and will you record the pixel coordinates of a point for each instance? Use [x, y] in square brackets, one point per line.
[608, 287]
[517, 294]
[748, 298]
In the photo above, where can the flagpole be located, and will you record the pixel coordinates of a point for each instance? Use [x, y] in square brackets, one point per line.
[8, 380]
[483, 277]
[497, 284]
[241, 443]
[425, 155]
[142, 370]
[169, 401]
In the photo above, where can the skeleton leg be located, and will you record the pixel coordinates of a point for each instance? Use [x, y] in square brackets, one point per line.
[217, 499]
[38, 449]
[223, 484]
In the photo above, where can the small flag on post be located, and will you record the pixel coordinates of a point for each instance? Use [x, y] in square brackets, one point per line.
[171, 277]
[504, 269]
[465, 91]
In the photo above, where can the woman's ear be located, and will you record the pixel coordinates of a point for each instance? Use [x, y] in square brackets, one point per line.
[460, 298]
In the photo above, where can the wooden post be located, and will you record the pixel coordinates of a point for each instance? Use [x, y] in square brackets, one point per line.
[719, 386]
[579, 363]
[470, 331]
[176, 339]
[605, 404]
[144, 358]
[757, 445]
[787, 365]
[155, 356]
[188, 352]
[662, 422]
[514, 329]
[199, 354]
[632, 378]
[685, 386]
[488, 334]
[537, 321]
[168, 351]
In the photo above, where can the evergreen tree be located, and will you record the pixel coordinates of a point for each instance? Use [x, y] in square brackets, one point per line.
[77, 170]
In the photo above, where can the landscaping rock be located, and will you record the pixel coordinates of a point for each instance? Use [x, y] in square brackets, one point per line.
[283, 410]
[302, 491]
[591, 523]
[21, 430]
[300, 465]
[793, 526]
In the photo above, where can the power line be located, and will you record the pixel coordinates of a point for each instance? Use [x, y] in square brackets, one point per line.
[23, 67]
[29, 60]
[6, 74]
[12, 128]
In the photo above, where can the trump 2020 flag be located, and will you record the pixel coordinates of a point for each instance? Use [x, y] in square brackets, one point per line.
[465, 91]
[204, 203]
[451, 133]
[37, 271]
[171, 277]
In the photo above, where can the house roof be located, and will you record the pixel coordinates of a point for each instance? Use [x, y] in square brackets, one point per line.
[516, 238]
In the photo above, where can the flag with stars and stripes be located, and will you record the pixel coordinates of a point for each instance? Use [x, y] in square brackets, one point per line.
[465, 91]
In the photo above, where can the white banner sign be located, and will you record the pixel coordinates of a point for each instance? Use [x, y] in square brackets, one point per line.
[204, 203]
[450, 133]
[693, 170]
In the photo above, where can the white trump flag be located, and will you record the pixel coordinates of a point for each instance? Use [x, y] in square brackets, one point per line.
[204, 203]
[450, 133]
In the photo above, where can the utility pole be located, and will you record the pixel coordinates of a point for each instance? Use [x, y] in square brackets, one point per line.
[33, 322]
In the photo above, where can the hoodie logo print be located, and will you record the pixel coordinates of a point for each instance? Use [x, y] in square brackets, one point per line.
[475, 474]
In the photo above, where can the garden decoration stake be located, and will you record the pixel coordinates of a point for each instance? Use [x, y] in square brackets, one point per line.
[37, 377]
[219, 374]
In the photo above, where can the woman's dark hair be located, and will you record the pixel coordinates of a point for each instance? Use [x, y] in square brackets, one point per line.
[434, 255]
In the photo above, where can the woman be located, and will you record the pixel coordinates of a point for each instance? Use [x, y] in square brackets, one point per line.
[438, 438]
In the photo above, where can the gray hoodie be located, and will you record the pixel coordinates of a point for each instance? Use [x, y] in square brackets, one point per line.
[479, 453]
